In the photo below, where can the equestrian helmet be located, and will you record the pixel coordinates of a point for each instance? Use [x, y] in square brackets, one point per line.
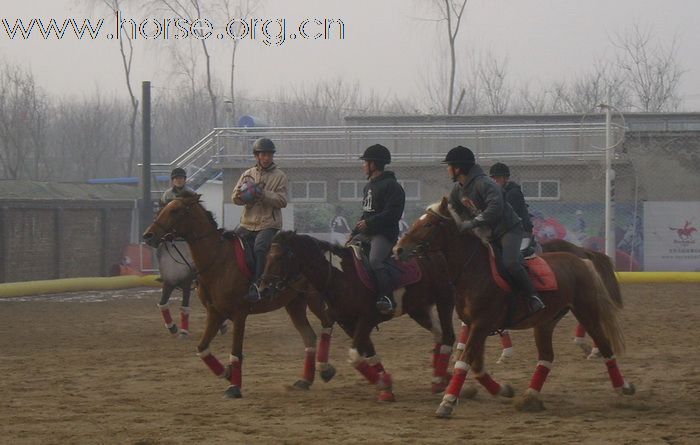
[263, 145]
[460, 156]
[377, 153]
[499, 169]
[178, 173]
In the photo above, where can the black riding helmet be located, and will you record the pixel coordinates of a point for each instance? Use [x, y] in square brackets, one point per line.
[263, 145]
[499, 169]
[461, 156]
[377, 153]
[178, 172]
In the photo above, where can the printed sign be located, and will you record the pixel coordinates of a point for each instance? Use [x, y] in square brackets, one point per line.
[671, 238]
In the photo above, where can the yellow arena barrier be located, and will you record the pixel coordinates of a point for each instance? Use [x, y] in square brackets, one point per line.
[75, 285]
[658, 277]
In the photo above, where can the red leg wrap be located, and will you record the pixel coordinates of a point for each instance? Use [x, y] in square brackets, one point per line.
[309, 365]
[538, 378]
[464, 334]
[370, 372]
[236, 377]
[580, 331]
[490, 384]
[436, 353]
[378, 367]
[324, 346]
[455, 386]
[214, 364]
[184, 321]
[614, 372]
[505, 340]
[167, 318]
[440, 367]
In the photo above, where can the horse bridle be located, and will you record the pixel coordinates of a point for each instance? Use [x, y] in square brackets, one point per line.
[421, 248]
[279, 283]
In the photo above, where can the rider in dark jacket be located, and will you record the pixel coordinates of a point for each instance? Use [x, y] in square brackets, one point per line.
[480, 203]
[382, 207]
[513, 194]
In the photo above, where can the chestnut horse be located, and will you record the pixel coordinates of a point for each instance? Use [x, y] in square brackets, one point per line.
[222, 287]
[331, 270]
[482, 305]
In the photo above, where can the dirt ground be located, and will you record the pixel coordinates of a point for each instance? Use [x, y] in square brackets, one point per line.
[96, 368]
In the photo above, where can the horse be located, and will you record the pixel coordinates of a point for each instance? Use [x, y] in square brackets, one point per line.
[331, 269]
[606, 272]
[222, 286]
[176, 271]
[484, 306]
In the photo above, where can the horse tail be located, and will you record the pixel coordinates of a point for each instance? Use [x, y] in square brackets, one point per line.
[606, 271]
[608, 312]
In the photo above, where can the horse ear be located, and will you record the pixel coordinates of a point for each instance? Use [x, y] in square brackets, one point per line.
[443, 205]
[198, 196]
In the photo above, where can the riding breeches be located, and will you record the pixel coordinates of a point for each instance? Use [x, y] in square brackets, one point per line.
[379, 252]
[261, 241]
[510, 247]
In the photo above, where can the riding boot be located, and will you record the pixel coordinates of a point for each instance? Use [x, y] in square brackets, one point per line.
[253, 295]
[385, 300]
[522, 281]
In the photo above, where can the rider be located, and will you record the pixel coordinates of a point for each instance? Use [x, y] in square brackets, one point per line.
[513, 193]
[262, 214]
[382, 206]
[178, 177]
[481, 201]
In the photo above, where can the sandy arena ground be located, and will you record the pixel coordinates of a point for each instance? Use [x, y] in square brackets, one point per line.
[96, 368]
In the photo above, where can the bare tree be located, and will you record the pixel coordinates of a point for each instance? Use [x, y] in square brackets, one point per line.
[492, 80]
[24, 112]
[653, 73]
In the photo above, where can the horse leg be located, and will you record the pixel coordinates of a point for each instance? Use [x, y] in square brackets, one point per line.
[507, 345]
[326, 370]
[164, 306]
[580, 339]
[297, 312]
[442, 350]
[441, 377]
[545, 356]
[234, 370]
[212, 325]
[363, 357]
[185, 309]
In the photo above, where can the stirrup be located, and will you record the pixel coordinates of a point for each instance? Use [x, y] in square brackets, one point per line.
[253, 295]
[535, 304]
[385, 306]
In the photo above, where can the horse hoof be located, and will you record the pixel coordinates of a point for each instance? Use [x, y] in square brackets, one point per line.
[386, 396]
[628, 390]
[445, 409]
[173, 329]
[507, 391]
[327, 374]
[302, 384]
[184, 335]
[594, 355]
[530, 403]
[468, 392]
[585, 347]
[233, 392]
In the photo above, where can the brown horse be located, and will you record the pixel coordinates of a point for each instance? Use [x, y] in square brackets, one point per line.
[222, 286]
[331, 270]
[606, 272]
[483, 305]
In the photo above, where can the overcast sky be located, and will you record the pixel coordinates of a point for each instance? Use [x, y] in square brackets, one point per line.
[387, 47]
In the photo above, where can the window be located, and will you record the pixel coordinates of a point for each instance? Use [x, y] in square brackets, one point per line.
[545, 190]
[310, 191]
[350, 190]
[412, 189]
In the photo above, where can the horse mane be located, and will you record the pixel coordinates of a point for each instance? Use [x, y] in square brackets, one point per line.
[186, 194]
[435, 208]
[309, 243]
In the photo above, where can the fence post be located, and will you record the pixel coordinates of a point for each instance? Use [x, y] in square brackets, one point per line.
[4, 237]
[59, 228]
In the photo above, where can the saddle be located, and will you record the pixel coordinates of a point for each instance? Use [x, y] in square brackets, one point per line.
[244, 253]
[403, 273]
[541, 274]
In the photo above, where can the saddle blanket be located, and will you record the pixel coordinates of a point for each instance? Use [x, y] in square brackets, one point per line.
[540, 272]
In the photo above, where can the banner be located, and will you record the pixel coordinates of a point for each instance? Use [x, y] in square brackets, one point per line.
[671, 238]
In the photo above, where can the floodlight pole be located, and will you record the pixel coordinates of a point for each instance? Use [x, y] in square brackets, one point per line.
[609, 184]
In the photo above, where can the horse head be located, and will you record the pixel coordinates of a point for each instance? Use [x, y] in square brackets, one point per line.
[433, 229]
[182, 217]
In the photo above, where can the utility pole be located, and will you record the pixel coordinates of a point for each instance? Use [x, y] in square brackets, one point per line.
[146, 201]
[609, 182]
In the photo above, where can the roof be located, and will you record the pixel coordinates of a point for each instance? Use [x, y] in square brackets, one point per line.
[36, 190]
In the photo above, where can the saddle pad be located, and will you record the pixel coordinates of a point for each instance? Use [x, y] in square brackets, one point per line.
[410, 273]
[541, 274]
[239, 251]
